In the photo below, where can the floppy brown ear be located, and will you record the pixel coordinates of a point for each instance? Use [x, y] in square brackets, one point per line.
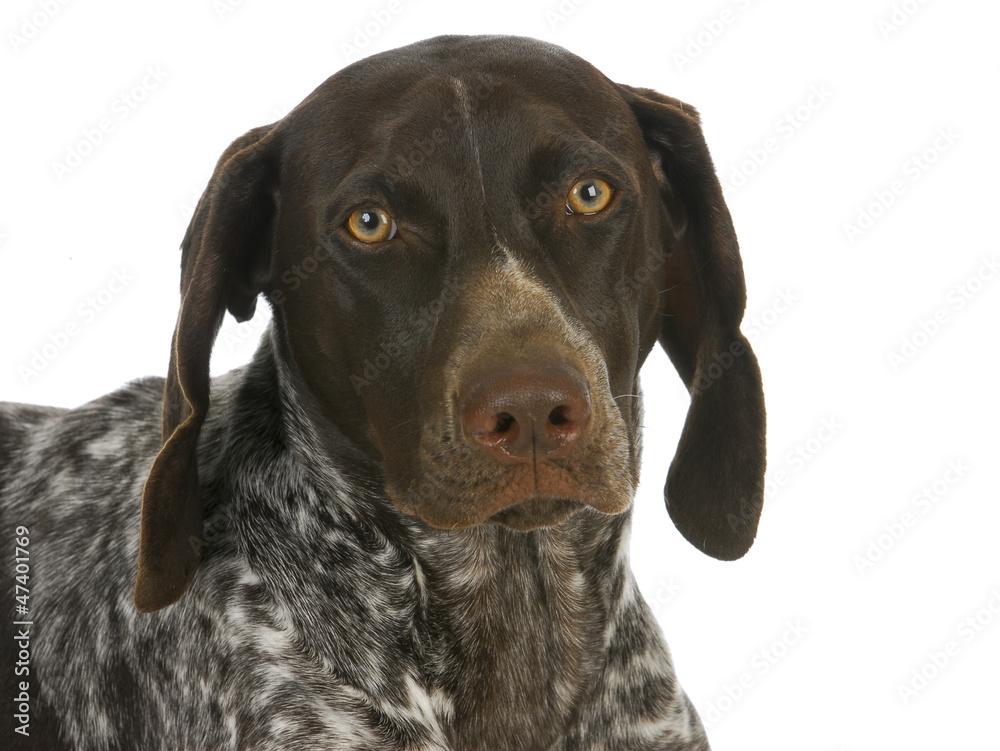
[224, 262]
[715, 485]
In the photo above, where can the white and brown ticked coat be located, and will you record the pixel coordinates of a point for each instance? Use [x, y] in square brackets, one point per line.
[329, 556]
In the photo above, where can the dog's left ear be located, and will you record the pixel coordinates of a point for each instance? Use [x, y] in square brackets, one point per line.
[224, 264]
[715, 485]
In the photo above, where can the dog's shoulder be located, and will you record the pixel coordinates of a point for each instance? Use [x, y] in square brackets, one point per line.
[48, 445]
[22, 424]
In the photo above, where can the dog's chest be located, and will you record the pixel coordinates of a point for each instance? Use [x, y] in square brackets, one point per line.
[517, 630]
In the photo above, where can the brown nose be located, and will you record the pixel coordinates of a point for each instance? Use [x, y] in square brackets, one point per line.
[524, 412]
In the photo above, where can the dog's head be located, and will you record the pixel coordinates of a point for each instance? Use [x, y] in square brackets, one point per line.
[470, 245]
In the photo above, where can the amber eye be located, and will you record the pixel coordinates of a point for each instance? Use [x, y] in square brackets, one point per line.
[371, 225]
[589, 196]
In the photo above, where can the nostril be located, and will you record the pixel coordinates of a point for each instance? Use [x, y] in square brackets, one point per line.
[558, 416]
[525, 412]
[504, 422]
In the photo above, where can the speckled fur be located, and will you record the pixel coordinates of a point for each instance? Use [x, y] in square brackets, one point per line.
[355, 583]
[316, 621]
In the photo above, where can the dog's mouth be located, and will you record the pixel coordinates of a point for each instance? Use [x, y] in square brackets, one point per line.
[520, 498]
[536, 512]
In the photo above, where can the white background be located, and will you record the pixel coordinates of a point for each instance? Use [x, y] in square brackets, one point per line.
[806, 642]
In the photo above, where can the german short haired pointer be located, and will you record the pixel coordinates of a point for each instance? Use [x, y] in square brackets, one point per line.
[403, 525]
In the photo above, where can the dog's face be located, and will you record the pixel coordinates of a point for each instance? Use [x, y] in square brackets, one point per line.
[483, 227]
[470, 246]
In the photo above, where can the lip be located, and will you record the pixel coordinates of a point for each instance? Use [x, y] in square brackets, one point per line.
[536, 512]
[521, 504]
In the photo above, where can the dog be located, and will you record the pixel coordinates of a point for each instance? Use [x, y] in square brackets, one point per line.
[404, 524]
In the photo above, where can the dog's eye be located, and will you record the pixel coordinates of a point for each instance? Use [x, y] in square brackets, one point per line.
[371, 225]
[589, 196]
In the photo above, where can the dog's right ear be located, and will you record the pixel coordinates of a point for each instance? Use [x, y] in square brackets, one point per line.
[715, 485]
[225, 261]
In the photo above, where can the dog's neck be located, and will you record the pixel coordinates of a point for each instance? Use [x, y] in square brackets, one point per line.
[504, 626]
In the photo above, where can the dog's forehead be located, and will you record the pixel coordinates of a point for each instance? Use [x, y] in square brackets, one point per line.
[435, 83]
[531, 62]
